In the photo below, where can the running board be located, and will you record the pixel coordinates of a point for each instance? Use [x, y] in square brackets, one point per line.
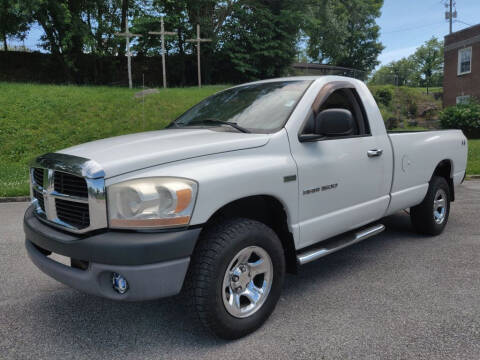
[338, 243]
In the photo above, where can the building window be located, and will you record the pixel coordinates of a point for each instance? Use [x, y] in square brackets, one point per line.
[464, 61]
[464, 99]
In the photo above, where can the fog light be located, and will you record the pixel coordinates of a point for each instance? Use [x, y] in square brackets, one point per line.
[119, 283]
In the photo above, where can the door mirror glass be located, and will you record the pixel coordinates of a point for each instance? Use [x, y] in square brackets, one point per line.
[334, 123]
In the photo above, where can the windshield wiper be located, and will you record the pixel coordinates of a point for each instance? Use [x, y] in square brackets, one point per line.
[221, 122]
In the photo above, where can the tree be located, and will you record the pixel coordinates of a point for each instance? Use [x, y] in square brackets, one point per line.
[182, 16]
[428, 60]
[260, 37]
[103, 20]
[72, 28]
[61, 22]
[123, 20]
[14, 21]
[401, 72]
[423, 68]
[257, 37]
[64, 30]
[344, 32]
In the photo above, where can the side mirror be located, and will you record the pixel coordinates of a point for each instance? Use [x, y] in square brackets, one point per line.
[330, 123]
[334, 122]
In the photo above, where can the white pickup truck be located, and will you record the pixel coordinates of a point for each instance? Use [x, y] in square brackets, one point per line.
[245, 186]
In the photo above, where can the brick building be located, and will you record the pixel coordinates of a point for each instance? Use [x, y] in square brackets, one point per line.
[462, 66]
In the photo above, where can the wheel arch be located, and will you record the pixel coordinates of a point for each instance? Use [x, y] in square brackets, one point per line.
[445, 169]
[268, 210]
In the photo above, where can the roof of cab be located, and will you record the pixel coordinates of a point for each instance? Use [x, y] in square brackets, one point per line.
[303, 78]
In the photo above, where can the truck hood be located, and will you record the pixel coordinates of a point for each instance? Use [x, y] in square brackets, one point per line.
[122, 154]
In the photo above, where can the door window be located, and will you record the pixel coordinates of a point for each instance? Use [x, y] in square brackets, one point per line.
[344, 98]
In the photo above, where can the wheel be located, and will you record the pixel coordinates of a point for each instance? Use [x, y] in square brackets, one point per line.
[431, 215]
[236, 276]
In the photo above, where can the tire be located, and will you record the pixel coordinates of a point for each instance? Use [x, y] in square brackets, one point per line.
[211, 288]
[431, 215]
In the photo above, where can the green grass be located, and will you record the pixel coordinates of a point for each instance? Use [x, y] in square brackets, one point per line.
[35, 119]
[473, 166]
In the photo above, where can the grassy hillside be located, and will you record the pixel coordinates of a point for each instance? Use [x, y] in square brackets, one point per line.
[35, 119]
[406, 107]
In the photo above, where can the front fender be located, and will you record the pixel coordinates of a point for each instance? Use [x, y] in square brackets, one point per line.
[234, 175]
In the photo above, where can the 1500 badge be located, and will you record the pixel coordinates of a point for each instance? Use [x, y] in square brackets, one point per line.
[318, 189]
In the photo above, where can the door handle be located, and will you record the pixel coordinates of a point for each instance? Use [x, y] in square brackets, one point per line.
[374, 152]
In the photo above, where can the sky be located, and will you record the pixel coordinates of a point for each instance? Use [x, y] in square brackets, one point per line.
[405, 25]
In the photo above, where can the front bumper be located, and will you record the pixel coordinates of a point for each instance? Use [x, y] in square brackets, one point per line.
[154, 264]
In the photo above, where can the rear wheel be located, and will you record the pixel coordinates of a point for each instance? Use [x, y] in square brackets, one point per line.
[236, 277]
[431, 215]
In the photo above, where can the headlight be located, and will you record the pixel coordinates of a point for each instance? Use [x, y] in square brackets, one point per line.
[151, 203]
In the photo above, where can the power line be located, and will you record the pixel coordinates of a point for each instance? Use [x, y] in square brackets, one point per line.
[463, 22]
[410, 29]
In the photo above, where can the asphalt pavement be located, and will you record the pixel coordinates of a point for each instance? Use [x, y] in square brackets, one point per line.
[398, 295]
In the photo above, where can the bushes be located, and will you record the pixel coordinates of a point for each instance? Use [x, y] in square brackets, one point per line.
[391, 123]
[383, 95]
[412, 108]
[401, 104]
[463, 116]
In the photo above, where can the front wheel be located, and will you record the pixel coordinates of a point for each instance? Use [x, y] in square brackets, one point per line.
[431, 215]
[236, 276]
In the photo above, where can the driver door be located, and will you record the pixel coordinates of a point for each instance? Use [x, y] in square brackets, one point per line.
[340, 182]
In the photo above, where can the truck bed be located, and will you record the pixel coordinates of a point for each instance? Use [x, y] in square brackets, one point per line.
[416, 154]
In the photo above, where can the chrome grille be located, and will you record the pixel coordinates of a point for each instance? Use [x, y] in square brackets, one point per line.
[69, 192]
[39, 196]
[70, 184]
[73, 213]
[38, 176]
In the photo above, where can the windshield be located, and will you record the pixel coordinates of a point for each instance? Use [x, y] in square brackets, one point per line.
[262, 108]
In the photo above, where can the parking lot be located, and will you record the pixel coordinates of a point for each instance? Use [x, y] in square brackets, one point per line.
[396, 295]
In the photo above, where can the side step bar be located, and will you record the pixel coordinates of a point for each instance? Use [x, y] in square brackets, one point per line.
[338, 243]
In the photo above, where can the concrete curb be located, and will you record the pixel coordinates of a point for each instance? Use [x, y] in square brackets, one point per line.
[14, 199]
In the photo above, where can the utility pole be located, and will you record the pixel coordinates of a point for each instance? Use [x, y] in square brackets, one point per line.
[198, 40]
[162, 34]
[450, 17]
[451, 13]
[127, 34]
